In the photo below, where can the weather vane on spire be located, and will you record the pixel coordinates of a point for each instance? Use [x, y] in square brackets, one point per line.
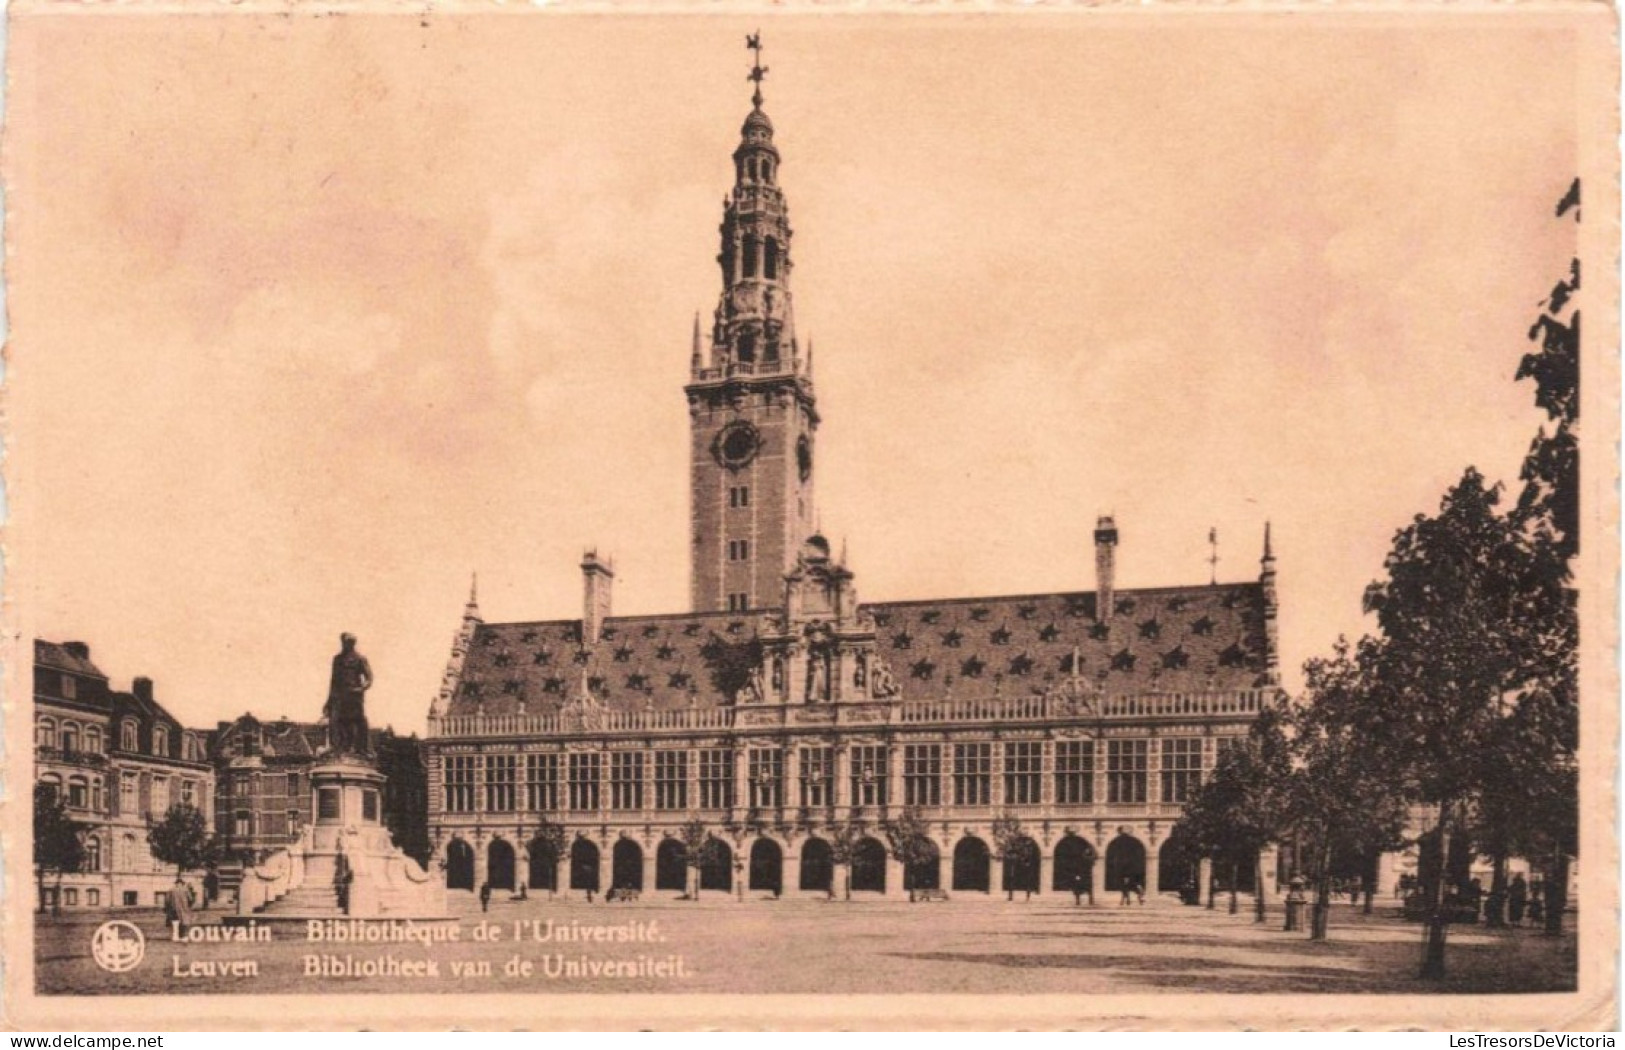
[758, 71]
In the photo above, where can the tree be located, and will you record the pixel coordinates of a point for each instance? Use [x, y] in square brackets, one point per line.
[1010, 842]
[1343, 801]
[908, 839]
[59, 843]
[1542, 778]
[699, 849]
[844, 837]
[1550, 500]
[1242, 807]
[548, 839]
[182, 838]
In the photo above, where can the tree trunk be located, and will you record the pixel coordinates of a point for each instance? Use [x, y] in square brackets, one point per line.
[1437, 924]
[1318, 920]
[1212, 880]
[1368, 879]
[1259, 904]
[1495, 913]
[1235, 871]
[1557, 892]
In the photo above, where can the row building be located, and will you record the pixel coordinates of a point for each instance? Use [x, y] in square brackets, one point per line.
[117, 760]
[1046, 741]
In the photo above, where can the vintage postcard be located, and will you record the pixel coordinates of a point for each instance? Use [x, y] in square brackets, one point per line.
[801, 517]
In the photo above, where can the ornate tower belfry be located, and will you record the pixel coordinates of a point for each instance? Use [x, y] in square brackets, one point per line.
[751, 406]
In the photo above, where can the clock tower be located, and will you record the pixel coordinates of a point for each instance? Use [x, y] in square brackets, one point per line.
[752, 414]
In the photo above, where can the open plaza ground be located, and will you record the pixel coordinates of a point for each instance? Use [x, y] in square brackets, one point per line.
[970, 944]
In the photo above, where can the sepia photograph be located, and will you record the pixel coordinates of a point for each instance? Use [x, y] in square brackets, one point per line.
[775, 517]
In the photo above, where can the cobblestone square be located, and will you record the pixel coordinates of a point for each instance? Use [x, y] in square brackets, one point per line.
[966, 945]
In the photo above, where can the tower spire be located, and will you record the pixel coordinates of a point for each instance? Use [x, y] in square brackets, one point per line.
[695, 361]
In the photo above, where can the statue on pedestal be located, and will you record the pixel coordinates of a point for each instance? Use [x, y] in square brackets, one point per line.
[346, 700]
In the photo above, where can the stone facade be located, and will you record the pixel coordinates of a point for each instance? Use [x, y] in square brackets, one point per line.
[1041, 743]
[118, 759]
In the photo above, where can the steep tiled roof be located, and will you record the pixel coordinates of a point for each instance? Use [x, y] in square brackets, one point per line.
[1187, 638]
[63, 658]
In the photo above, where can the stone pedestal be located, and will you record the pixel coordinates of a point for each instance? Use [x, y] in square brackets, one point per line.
[345, 863]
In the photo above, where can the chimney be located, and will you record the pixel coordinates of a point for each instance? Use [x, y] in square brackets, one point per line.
[142, 688]
[597, 579]
[1105, 566]
[77, 649]
[1272, 611]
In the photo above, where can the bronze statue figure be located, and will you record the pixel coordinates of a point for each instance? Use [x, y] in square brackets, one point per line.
[346, 700]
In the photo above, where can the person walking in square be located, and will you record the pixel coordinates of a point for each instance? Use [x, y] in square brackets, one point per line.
[485, 896]
[1517, 898]
[1077, 890]
[1128, 891]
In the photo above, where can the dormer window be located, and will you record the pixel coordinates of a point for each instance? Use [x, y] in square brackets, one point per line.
[70, 687]
[127, 735]
[160, 740]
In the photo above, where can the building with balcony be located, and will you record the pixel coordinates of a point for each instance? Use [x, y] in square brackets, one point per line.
[119, 760]
[1044, 741]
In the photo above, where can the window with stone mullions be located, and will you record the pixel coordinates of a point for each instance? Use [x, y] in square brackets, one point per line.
[499, 783]
[1181, 768]
[766, 772]
[1023, 765]
[973, 774]
[869, 775]
[1074, 772]
[459, 783]
[671, 779]
[626, 780]
[1126, 770]
[922, 775]
[817, 776]
[716, 778]
[541, 783]
[584, 773]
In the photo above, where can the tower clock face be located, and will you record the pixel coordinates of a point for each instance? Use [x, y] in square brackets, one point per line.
[804, 457]
[736, 445]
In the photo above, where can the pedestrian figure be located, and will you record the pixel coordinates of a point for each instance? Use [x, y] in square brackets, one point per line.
[1128, 891]
[485, 896]
[1537, 903]
[1077, 891]
[1139, 890]
[1517, 898]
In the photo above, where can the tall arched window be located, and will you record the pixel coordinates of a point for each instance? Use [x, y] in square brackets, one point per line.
[52, 784]
[93, 853]
[752, 250]
[78, 793]
[160, 740]
[93, 740]
[770, 259]
[45, 733]
[70, 736]
[127, 735]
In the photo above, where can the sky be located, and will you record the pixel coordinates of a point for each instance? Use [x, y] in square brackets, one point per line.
[315, 315]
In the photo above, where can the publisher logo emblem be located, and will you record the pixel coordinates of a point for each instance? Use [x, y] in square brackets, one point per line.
[117, 946]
